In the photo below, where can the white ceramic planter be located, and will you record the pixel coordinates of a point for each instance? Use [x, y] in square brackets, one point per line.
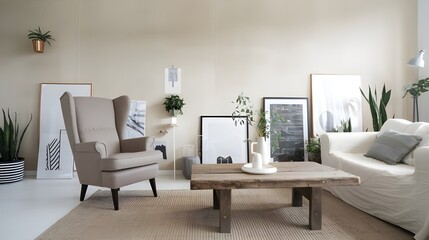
[11, 171]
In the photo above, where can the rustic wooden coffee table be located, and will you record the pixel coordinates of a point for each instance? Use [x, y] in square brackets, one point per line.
[305, 178]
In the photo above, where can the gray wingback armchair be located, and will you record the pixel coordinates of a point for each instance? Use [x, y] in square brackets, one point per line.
[103, 157]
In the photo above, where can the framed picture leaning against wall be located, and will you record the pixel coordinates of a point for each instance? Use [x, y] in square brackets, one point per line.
[287, 136]
[222, 141]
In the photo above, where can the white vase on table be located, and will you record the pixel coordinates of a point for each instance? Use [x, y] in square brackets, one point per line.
[262, 148]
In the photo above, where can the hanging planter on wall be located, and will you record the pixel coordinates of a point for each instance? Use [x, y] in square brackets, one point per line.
[38, 46]
[38, 38]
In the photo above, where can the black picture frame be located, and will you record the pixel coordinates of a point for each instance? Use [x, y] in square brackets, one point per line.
[287, 139]
[222, 141]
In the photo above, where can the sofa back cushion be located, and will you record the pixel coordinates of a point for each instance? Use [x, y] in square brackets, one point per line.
[400, 125]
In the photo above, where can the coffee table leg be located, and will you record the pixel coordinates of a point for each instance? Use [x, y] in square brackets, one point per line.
[224, 210]
[215, 199]
[316, 208]
[314, 196]
[296, 198]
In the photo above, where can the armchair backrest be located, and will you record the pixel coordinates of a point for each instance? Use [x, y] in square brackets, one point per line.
[89, 119]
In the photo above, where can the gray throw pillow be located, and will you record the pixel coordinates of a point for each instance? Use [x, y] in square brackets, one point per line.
[391, 146]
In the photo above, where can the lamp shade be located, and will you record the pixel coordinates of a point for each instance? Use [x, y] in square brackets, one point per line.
[418, 60]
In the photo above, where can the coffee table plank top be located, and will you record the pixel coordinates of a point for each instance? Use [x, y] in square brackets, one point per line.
[289, 174]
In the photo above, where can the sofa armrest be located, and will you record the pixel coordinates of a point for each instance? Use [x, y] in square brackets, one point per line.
[421, 156]
[353, 142]
[137, 144]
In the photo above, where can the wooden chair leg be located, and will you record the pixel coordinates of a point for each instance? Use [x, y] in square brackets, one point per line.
[153, 186]
[115, 198]
[83, 192]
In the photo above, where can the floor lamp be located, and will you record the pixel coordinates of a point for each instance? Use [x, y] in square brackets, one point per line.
[419, 63]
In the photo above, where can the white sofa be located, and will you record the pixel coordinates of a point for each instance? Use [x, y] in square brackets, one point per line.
[398, 193]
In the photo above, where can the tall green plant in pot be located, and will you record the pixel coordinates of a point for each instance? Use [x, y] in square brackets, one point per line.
[415, 90]
[10, 144]
[378, 109]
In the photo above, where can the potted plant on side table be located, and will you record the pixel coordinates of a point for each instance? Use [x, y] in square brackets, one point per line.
[11, 164]
[174, 104]
[39, 38]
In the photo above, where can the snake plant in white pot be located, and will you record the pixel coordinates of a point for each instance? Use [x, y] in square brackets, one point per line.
[11, 164]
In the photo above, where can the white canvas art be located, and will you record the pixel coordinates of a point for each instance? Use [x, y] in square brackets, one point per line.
[136, 119]
[335, 98]
[55, 159]
[222, 141]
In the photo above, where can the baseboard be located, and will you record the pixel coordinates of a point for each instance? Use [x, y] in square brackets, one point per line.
[161, 173]
[169, 172]
[30, 173]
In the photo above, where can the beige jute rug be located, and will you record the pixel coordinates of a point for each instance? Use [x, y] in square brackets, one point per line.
[186, 214]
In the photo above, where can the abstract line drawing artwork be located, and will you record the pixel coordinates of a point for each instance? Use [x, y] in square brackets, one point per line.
[53, 153]
[173, 80]
[55, 158]
[163, 149]
[136, 119]
[335, 99]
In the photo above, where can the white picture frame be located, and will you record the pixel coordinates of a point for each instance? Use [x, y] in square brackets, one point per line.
[55, 158]
[222, 141]
[335, 98]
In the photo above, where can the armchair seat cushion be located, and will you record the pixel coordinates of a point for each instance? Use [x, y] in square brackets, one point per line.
[128, 160]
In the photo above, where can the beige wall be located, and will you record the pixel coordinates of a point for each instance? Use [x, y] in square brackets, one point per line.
[423, 44]
[264, 48]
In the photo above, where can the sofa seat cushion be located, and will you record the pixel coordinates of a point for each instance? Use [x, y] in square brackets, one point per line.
[128, 160]
[366, 167]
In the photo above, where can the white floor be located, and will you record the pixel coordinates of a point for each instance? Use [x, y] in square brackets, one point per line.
[29, 207]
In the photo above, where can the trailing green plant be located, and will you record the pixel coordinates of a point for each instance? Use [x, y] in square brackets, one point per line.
[244, 107]
[174, 102]
[378, 109]
[313, 145]
[37, 34]
[416, 89]
[10, 139]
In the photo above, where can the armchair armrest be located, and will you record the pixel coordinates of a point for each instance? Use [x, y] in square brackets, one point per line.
[353, 142]
[137, 144]
[91, 147]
